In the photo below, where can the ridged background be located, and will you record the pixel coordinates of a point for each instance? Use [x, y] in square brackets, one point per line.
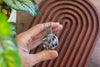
[78, 37]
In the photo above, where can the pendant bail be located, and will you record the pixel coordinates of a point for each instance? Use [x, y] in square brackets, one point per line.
[49, 30]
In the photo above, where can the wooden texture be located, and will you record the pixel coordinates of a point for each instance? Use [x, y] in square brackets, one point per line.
[81, 29]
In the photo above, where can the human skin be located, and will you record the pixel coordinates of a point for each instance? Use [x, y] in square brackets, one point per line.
[32, 38]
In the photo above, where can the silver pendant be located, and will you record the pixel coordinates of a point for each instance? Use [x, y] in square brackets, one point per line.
[50, 41]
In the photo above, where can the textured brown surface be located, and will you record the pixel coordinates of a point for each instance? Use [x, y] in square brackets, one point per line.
[77, 40]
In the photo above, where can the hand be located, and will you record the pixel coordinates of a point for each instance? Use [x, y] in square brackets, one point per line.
[31, 39]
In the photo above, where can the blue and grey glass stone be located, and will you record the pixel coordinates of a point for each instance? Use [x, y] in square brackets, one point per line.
[50, 41]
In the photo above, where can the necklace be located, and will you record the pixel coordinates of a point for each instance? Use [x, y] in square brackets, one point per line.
[50, 41]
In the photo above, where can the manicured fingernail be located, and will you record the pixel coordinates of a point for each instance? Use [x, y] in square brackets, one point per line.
[57, 23]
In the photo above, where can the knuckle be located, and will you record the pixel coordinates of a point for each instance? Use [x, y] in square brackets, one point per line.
[44, 55]
[39, 25]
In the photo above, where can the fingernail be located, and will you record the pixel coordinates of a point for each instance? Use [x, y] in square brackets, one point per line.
[57, 23]
[56, 53]
[61, 26]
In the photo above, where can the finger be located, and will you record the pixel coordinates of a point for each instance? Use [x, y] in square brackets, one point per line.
[35, 43]
[38, 41]
[42, 34]
[43, 56]
[59, 28]
[55, 30]
[39, 28]
[27, 36]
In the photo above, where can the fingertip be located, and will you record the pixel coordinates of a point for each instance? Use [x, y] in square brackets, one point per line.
[57, 23]
[49, 54]
[61, 26]
[52, 52]
[55, 52]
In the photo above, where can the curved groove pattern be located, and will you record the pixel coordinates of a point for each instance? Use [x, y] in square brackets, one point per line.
[81, 23]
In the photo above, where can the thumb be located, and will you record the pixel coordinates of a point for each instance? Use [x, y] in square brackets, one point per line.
[47, 54]
[44, 55]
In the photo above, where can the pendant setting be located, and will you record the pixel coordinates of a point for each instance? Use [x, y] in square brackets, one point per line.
[50, 41]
